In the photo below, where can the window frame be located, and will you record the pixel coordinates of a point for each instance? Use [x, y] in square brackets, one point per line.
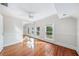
[52, 25]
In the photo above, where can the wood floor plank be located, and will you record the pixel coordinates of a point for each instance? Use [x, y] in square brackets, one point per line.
[40, 48]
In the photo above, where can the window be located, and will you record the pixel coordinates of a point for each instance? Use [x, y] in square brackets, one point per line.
[49, 31]
[38, 30]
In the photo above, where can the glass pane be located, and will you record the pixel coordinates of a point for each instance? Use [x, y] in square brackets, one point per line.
[38, 30]
[49, 31]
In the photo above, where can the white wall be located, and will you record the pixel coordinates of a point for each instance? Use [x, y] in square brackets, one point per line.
[64, 30]
[1, 32]
[13, 25]
[12, 30]
[44, 22]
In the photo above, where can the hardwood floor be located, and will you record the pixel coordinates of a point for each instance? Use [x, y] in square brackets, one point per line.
[36, 48]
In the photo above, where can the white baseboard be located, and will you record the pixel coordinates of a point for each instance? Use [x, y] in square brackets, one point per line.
[65, 45]
[5, 45]
[1, 49]
[58, 43]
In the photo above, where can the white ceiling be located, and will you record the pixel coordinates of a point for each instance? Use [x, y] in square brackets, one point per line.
[43, 10]
[39, 10]
[67, 9]
[33, 7]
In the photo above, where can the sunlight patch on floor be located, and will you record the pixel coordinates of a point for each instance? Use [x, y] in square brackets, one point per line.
[30, 43]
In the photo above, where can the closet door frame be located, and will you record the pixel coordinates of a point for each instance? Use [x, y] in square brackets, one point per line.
[1, 33]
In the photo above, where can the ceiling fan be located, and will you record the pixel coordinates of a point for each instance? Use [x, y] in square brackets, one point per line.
[31, 15]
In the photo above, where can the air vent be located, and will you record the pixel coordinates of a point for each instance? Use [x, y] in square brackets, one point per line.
[5, 4]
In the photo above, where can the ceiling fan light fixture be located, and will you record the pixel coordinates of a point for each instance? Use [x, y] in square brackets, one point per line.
[30, 15]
